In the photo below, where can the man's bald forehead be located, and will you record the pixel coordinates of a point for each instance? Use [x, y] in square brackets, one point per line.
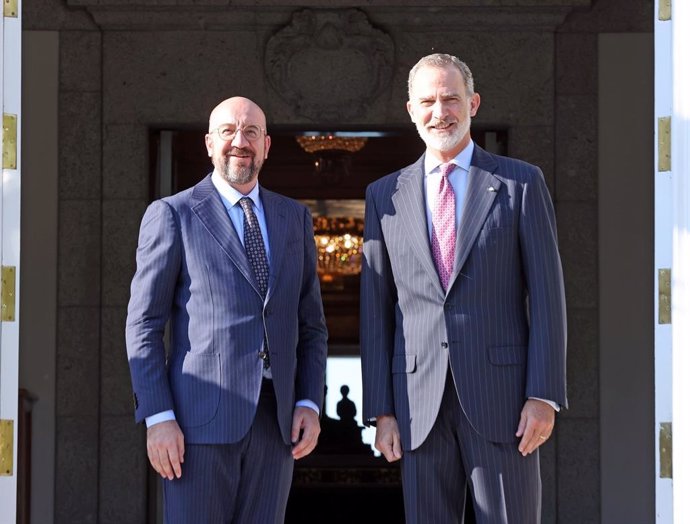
[236, 108]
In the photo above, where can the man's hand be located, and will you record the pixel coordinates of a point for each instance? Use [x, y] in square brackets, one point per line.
[304, 421]
[536, 424]
[165, 448]
[388, 437]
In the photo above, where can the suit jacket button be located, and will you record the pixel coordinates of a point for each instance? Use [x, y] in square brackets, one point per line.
[262, 355]
[444, 345]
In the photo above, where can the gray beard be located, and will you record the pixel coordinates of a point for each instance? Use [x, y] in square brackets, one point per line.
[444, 143]
[238, 175]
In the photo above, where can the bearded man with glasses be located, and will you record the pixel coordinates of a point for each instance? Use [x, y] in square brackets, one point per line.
[232, 267]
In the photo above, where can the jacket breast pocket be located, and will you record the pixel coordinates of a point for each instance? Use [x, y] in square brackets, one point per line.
[497, 238]
[404, 363]
[293, 245]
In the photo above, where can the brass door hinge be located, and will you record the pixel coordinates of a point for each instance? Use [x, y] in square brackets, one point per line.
[9, 141]
[666, 450]
[6, 448]
[10, 8]
[664, 143]
[7, 293]
[664, 10]
[664, 296]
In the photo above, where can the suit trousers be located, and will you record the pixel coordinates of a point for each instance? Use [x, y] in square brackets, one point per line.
[246, 482]
[505, 486]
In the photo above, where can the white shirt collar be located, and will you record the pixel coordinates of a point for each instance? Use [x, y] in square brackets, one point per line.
[231, 195]
[462, 159]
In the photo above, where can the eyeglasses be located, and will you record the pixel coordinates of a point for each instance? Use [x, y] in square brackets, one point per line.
[251, 132]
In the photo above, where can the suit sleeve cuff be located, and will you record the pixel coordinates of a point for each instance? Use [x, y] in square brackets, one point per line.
[551, 403]
[163, 416]
[306, 403]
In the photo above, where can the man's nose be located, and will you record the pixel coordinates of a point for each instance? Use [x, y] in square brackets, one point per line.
[239, 140]
[438, 109]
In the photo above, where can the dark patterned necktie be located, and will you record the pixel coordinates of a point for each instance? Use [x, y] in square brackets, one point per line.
[254, 245]
[256, 255]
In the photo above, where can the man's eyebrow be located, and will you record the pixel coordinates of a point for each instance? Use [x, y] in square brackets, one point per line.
[453, 94]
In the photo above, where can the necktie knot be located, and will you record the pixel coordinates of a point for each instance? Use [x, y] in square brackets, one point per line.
[447, 169]
[246, 204]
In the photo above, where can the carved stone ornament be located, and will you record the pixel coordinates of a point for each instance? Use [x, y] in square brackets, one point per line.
[329, 65]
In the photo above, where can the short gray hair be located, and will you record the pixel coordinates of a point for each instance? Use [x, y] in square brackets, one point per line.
[442, 60]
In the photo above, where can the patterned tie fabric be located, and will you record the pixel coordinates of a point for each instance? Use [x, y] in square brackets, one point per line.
[443, 230]
[256, 255]
[254, 245]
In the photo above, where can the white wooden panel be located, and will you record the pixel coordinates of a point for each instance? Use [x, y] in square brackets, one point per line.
[680, 133]
[9, 253]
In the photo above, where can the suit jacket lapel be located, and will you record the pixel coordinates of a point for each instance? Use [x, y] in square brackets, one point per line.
[213, 215]
[482, 187]
[276, 224]
[410, 206]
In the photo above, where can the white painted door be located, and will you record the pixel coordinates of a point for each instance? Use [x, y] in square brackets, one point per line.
[10, 185]
[672, 260]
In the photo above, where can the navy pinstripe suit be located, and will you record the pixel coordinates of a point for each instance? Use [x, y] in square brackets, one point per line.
[193, 270]
[500, 347]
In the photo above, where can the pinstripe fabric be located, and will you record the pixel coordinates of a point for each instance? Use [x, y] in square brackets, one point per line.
[193, 270]
[505, 486]
[211, 489]
[411, 330]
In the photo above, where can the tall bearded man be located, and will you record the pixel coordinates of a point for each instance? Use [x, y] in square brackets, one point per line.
[463, 324]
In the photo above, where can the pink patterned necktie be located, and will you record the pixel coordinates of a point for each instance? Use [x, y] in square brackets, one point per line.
[443, 230]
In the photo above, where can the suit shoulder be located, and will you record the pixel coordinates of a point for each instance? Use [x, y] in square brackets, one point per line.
[516, 169]
[178, 199]
[186, 198]
[387, 183]
[271, 197]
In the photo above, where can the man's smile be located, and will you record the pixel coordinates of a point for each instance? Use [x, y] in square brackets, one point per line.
[441, 126]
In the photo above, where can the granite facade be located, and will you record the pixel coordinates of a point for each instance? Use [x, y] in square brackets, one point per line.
[125, 71]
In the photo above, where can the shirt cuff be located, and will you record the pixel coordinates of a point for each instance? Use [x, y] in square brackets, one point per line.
[163, 416]
[551, 403]
[306, 403]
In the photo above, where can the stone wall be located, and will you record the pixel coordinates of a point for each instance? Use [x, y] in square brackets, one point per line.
[126, 67]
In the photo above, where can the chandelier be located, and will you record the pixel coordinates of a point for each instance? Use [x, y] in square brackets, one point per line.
[339, 243]
[318, 143]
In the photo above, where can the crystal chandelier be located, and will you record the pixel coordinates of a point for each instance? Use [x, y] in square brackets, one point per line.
[339, 246]
[318, 143]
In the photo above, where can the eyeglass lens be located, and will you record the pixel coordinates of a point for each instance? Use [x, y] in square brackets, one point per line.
[251, 132]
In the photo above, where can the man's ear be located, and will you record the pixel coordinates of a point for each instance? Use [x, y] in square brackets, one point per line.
[409, 110]
[475, 100]
[267, 146]
[209, 144]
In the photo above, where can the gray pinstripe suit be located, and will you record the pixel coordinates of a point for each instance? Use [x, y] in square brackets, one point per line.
[193, 270]
[499, 349]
